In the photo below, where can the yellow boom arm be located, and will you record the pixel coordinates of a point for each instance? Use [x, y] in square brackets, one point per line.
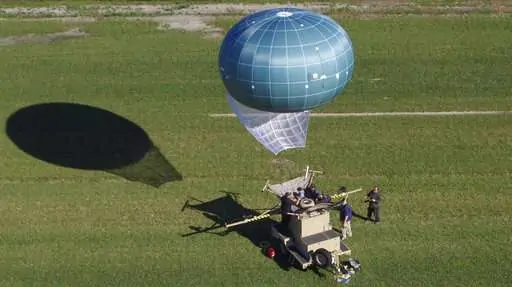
[342, 195]
[248, 220]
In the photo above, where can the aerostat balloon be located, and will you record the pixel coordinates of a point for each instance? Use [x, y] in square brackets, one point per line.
[279, 64]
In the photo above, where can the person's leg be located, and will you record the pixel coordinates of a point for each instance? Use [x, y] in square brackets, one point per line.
[369, 215]
[287, 225]
[377, 214]
[343, 228]
[343, 232]
[285, 219]
[349, 229]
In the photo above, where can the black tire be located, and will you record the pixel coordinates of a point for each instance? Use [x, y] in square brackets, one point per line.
[322, 258]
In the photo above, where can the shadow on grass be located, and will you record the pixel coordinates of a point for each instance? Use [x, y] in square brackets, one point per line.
[227, 209]
[358, 215]
[89, 138]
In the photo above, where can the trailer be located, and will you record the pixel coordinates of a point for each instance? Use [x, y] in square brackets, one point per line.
[308, 238]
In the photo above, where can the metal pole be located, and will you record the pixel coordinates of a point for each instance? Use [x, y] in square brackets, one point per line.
[248, 220]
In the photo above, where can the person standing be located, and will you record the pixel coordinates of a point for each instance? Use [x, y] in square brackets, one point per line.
[346, 219]
[311, 192]
[286, 209]
[373, 199]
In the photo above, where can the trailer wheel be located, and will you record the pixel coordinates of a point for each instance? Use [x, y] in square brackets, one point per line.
[322, 258]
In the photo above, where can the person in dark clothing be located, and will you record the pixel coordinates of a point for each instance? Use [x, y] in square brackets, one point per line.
[373, 199]
[312, 193]
[323, 199]
[286, 208]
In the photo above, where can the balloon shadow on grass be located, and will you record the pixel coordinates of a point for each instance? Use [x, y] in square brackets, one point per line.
[89, 138]
[227, 209]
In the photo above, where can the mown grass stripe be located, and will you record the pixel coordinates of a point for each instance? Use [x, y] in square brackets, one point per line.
[388, 114]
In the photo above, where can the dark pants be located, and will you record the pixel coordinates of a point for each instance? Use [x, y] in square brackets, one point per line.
[374, 210]
[285, 220]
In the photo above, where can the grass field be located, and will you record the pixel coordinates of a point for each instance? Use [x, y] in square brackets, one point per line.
[120, 2]
[73, 219]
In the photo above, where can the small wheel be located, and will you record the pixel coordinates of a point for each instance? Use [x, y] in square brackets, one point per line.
[322, 258]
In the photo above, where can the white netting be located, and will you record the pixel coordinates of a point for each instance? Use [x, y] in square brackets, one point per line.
[281, 189]
[276, 131]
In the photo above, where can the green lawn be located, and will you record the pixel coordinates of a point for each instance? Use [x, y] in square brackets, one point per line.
[81, 2]
[446, 180]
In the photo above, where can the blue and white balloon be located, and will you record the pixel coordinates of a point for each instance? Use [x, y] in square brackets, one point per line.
[277, 65]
